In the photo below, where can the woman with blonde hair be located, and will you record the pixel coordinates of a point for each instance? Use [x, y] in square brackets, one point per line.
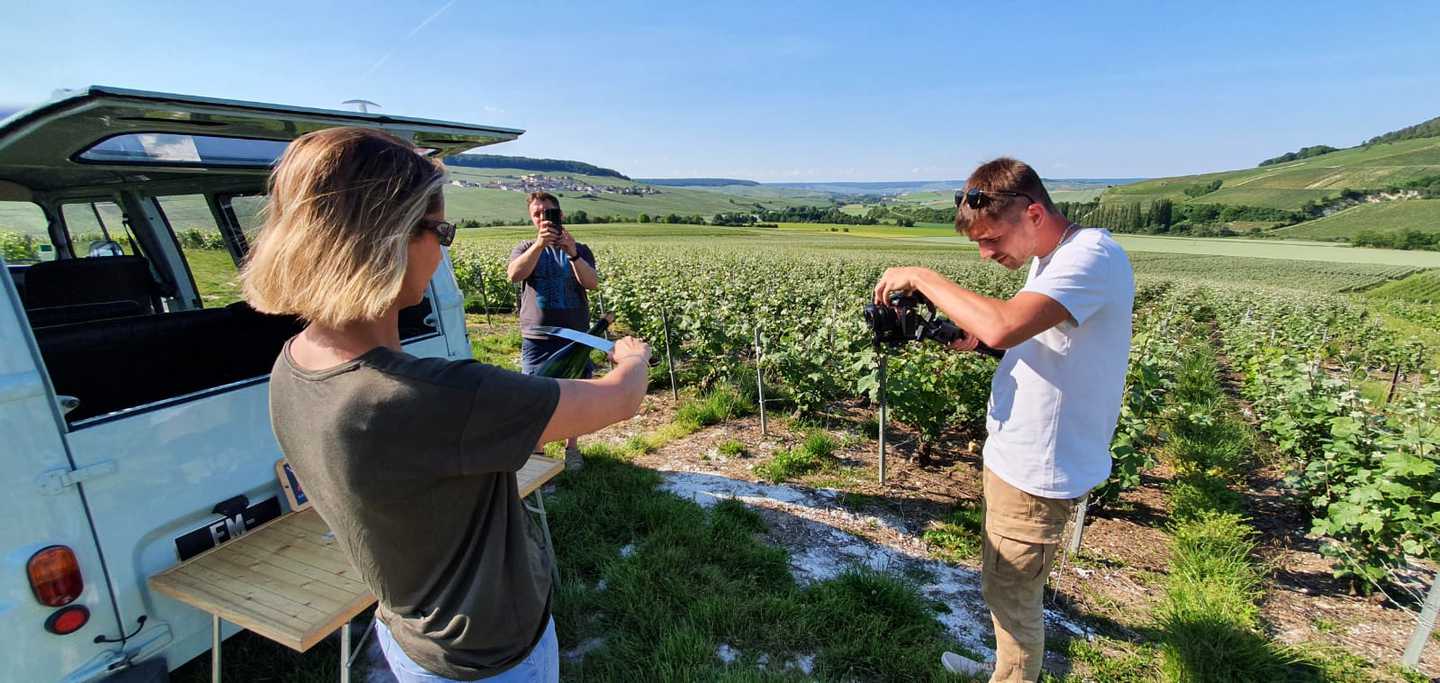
[412, 461]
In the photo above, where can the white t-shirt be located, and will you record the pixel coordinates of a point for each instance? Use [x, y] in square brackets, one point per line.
[1056, 396]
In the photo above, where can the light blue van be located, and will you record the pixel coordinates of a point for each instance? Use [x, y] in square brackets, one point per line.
[134, 429]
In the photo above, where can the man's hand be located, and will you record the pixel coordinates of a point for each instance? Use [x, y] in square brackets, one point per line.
[630, 348]
[548, 235]
[903, 280]
[566, 242]
[968, 342]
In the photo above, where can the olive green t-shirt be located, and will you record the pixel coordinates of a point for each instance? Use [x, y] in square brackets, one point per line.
[412, 462]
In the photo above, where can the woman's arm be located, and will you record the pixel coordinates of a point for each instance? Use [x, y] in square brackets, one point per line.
[588, 405]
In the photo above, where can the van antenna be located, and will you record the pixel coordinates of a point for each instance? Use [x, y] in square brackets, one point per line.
[363, 106]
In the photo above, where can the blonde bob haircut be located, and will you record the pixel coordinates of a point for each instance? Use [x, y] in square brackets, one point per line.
[344, 204]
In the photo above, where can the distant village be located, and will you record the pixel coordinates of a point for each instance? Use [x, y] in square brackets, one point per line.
[535, 182]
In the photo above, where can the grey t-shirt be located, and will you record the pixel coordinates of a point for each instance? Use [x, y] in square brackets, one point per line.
[412, 461]
[551, 296]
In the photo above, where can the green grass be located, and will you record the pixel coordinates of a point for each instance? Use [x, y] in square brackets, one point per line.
[215, 276]
[247, 656]
[731, 448]
[1288, 185]
[1209, 619]
[1383, 217]
[957, 537]
[718, 405]
[811, 455]
[501, 349]
[700, 578]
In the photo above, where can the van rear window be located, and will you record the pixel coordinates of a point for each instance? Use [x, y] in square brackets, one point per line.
[185, 150]
[23, 235]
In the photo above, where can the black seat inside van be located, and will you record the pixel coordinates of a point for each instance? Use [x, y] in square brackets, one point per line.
[120, 363]
[80, 289]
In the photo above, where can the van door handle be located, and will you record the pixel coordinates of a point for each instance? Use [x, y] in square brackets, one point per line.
[67, 403]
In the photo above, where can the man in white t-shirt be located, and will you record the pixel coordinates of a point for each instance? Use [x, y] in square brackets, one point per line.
[1056, 394]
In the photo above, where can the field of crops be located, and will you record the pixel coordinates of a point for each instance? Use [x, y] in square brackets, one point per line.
[1423, 287]
[1303, 356]
[805, 307]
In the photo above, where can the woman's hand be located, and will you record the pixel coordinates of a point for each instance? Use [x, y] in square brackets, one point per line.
[630, 348]
[590, 404]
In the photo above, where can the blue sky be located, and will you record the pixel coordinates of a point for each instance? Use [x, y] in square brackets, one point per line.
[803, 91]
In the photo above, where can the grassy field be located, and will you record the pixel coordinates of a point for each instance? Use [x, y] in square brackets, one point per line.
[1288, 185]
[1383, 217]
[1252, 263]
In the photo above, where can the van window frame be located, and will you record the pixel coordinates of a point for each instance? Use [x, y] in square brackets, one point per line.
[78, 157]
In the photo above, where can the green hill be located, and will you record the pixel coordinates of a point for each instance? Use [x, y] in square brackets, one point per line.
[1428, 129]
[1382, 217]
[1289, 185]
[487, 204]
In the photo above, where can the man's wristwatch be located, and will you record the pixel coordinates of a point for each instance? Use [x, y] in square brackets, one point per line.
[575, 256]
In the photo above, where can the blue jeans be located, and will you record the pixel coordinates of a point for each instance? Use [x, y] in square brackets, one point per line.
[542, 666]
[534, 353]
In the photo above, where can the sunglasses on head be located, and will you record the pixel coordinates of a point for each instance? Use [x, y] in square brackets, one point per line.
[442, 229]
[979, 199]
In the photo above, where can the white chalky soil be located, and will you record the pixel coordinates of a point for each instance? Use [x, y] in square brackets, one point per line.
[807, 524]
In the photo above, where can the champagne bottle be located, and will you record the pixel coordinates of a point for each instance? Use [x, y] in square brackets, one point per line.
[571, 361]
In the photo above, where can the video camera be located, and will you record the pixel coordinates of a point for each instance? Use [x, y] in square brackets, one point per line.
[901, 322]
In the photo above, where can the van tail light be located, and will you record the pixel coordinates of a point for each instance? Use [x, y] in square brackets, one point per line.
[67, 620]
[55, 576]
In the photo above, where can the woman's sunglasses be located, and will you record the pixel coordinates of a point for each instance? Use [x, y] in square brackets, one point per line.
[442, 229]
[979, 199]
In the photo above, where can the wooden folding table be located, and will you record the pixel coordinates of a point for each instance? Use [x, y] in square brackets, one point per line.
[288, 580]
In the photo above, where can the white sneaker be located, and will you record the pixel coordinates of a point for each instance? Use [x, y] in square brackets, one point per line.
[958, 664]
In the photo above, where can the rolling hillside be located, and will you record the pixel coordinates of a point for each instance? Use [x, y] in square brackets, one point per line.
[487, 204]
[1289, 185]
[1383, 217]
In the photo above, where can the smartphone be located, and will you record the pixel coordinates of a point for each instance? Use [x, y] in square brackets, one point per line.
[553, 215]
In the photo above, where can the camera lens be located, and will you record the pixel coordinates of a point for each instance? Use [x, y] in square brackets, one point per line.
[880, 318]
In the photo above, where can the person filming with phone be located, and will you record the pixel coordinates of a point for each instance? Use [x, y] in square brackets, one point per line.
[556, 272]
[1055, 396]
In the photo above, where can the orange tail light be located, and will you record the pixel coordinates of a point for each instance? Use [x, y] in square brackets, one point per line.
[55, 576]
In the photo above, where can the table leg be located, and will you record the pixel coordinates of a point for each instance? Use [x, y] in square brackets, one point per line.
[214, 648]
[539, 510]
[345, 653]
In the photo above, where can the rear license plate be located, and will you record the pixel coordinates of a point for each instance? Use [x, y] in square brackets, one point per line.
[215, 533]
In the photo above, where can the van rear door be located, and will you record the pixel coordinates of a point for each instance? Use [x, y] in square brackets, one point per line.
[43, 506]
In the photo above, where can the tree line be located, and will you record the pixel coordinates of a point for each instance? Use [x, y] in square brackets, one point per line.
[532, 164]
[1164, 216]
[1303, 153]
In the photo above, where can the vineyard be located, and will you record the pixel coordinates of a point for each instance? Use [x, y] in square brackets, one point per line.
[1233, 370]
